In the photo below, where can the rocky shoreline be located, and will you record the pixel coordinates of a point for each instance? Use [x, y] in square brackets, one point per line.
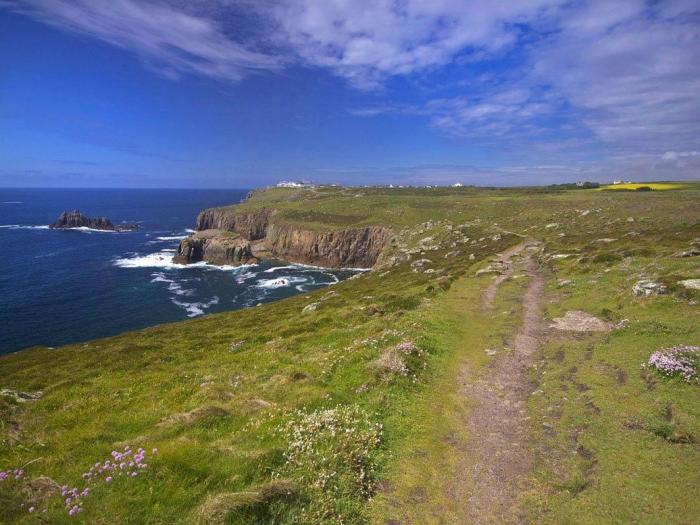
[225, 236]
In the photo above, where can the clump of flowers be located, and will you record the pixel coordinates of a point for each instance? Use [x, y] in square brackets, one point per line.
[11, 474]
[333, 453]
[125, 463]
[677, 361]
[400, 360]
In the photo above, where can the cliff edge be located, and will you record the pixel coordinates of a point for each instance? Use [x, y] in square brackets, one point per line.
[230, 236]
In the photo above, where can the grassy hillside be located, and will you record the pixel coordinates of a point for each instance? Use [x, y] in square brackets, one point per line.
[343, 405]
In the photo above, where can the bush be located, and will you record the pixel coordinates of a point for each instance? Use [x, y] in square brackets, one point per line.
[331, 453]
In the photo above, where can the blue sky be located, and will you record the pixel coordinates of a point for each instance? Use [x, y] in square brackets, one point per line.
[242, 93]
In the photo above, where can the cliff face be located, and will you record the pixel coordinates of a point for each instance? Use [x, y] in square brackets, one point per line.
[259, 236]
[349, 248]
[251, 226]
[215, 247]
[74, 219]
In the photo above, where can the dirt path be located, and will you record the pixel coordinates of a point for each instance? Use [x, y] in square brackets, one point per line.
[506, 259]
[497, 457]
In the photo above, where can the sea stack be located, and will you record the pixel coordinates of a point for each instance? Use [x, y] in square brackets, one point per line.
[74, 219]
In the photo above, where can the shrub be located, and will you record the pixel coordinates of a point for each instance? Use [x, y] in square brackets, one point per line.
[332, 454]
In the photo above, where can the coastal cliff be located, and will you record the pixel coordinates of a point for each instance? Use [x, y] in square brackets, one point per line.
[251, 226]
[227, 236]
[216, 247]
[348, 248]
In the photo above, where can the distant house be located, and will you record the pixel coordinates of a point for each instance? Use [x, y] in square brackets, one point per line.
[587, 185]
[458, 185]
[622, 182]
[293, 184]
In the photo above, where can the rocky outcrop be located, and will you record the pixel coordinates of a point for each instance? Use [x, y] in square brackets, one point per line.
[250, 225]
[74, 219]
[215, 247]
[226, 236]
[348, 248]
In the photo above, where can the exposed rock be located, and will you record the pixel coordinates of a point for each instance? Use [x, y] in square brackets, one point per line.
[310, 308]
[258, 236]
[21, 397]
[694, 250]
[420, 263]
[348, 248]
[563, 282]
[647, 288]
[250, 225]
[74, 219]
[577, 321]
[691, 284]
[216, 247]
[497, 267]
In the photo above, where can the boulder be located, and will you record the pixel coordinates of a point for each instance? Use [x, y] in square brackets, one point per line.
[646, 288]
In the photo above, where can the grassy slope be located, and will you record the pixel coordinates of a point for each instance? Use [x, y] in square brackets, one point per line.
[215, 412]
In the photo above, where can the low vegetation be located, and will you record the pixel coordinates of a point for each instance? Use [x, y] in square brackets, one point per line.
[353, 411]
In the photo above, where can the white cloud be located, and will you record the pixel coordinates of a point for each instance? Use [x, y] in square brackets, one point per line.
[366, 41]
[167, 38]
[631, 69]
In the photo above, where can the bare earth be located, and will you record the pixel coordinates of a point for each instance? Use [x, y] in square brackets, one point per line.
[497, 458]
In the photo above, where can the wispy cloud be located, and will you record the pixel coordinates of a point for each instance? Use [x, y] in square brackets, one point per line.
[366, 41]
[167, 38]
[624, 73]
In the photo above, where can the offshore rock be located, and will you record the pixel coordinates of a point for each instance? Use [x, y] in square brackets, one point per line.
[74, 219]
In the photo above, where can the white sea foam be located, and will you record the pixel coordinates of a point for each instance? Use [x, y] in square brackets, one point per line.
[171, 238]
[11, 202]
[280, 282]
[159, 277]
[23, 227]
[179, 290]
[245, 276]
[162, 259]
[195, 309]
[310, 267]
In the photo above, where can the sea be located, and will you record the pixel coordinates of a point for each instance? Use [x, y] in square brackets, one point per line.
[67, 286]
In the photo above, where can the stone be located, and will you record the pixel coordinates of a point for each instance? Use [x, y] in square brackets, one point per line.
[20, 396]
[646, 288]
[310, 308]
[578, 321]
[691, 284]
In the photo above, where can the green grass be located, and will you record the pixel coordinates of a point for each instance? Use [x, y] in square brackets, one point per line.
[617, 433]
[218, 395]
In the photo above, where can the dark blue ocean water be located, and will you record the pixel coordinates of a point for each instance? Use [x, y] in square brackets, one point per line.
[59, 287]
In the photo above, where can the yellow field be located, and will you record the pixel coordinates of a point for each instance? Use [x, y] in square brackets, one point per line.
[656, 186]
